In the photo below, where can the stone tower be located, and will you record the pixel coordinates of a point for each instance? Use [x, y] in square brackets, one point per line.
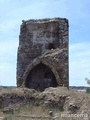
[42, 59]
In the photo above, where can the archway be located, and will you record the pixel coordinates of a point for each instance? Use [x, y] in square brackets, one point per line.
[40, 77]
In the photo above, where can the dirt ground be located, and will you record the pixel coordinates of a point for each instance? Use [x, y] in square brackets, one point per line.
[52, 104]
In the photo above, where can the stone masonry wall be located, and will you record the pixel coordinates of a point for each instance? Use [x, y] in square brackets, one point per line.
[43, 41]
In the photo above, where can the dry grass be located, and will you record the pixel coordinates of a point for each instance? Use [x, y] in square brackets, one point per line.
[32, 105]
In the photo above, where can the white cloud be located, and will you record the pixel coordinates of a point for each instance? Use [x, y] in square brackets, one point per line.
[7, 26]
[13, 12]
[7, 74]
[8, 54]
[77, 10]
[79, 63]
[8, 48]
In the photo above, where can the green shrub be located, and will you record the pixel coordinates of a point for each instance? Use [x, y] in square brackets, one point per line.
[88, 90]
[37, 102]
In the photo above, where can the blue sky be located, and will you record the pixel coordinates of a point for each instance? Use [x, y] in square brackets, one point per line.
[12, 12]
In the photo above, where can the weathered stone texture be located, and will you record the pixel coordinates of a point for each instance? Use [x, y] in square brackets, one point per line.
[43, 49]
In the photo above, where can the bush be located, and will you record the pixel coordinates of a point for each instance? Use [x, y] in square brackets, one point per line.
[88, 90]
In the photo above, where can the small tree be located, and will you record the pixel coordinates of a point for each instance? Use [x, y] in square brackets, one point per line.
[88, 82]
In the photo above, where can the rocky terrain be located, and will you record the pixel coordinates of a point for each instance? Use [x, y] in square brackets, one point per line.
[51, 104]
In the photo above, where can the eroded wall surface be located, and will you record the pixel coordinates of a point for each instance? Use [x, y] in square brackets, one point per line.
[43, 41]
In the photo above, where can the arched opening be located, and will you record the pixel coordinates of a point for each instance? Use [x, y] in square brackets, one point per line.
[41, 77]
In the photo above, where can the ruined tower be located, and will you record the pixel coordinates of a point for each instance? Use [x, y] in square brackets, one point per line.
[42, 59]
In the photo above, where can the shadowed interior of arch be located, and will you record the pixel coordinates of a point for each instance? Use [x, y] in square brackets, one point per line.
[40, 77]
